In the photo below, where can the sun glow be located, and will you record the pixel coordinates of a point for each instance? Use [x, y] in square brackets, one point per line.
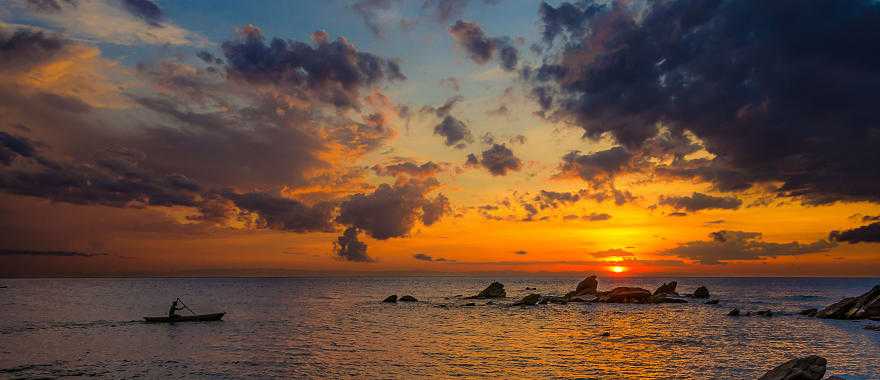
[617, 269]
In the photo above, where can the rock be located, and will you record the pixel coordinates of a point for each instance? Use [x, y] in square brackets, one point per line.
[554, 299]
[733, 313]
[808, 368]
[809, 312]
[605, 334]
[625, 295]
[528, 288]
[764, 313]
[865, 306]
[667, 289]
[529, 300]
[469, 304]
[408, 299]
[494, 290]
[872, 327]
[701, 292]
[490, 303]
[711, 302]
[579, 299]
[587, 287]
[391, 299]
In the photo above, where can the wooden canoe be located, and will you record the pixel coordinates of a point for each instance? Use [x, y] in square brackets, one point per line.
[186, 318]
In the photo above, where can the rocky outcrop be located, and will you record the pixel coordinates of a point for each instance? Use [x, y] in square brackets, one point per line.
[494, 290]
[701, 292]
[391, 299]
[865, 306]
[625, 295]
[529, 300]
[667, 289]
[408, 299]
[808, 368]
[588, 287]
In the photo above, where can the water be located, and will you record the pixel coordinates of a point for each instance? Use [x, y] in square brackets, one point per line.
[335, 327]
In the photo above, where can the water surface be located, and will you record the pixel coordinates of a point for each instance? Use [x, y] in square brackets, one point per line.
[335, 327]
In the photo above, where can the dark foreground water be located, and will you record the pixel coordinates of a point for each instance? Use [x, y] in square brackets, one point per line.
[335, 327]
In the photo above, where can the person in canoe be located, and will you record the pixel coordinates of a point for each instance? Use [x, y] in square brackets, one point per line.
[172, 312]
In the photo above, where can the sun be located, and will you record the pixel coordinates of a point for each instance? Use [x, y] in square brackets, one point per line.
[617, 269]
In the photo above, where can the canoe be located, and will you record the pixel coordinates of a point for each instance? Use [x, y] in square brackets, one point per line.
[186, 318]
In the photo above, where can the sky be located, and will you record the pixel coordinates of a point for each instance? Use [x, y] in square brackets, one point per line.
[621, 137]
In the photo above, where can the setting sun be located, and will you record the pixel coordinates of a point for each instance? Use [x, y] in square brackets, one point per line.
[617, 269]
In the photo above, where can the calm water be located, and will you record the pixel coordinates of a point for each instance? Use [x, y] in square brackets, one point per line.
[335, 327]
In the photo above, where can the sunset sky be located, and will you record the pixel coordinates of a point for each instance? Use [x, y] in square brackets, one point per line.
[212, 137]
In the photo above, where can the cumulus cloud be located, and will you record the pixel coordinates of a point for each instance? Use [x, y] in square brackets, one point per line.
[598, 167]
[865, 234]
[554, 199]
[596, 217]
[480, 48]
[392, 210]
[334, 72]
[284, 214]
[758, 118]
[726, 246]
[700, 201]
[455, 132]
[498, 160]
[348, 247]
[411, 169]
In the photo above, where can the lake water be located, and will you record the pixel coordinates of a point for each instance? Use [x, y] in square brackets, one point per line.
[336, 327]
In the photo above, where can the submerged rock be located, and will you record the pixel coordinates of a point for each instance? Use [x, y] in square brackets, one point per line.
[408, 299]
[809, 312]
[391, 299]
[865, 306]
[711, 302]
[701, 292]
[733, 313]
[667, 289]
[494, 290]
[529, 300]
[625, 295]
[809, 368]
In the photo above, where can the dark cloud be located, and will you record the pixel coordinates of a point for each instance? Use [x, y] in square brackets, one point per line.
[520, 253]
[348, 247]
[864, 234]
[596, 168]
[391, 211]
[435, 209]
[20, 252]
[145, 10]
[209, 58]
[472, 161]
[553, 199]
[411, 169]
[738, 245]
[596, 217]
[480, 48]
[454, 131]
[334, 72]
[700, 201]
[284, 214]
[12, 146]
[424, 257]
[766, 86]
[499, 160]
[25, 48]
[677, 214]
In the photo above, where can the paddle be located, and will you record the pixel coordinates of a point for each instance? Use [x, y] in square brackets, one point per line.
[186, 307]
